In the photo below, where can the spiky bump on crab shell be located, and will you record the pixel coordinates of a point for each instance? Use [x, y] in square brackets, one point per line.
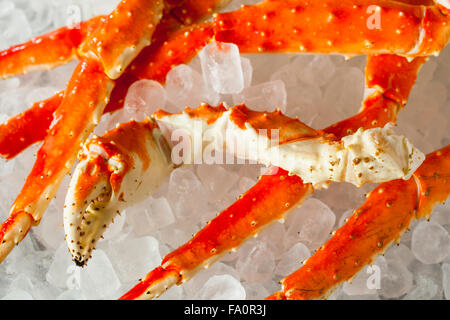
[374, 155]
[117, 170]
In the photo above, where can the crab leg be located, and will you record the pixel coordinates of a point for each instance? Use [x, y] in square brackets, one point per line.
[122, 167]
[47, 51]
[89, 90]
[163, 277]
[270, 199]
[389, 80]
[29, 127]
[345, 27]
[381, 220]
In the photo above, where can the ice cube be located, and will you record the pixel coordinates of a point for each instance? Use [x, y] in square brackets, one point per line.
[15, 28]
[430, 242]
[150, 215]
[255, 291]
[247, 71]
[366, 282]
[51, 231]
[428, 279]
[62, 272]
[345, 91]
[144, 97]
[73, 294]
[185, 87]
[318, 71]
[70, 12]
[267, 96]
[217, 180]
[186, 194]
[115, 228]
[193, 286]
[6, 7]
[396, 279]
[245, 183]
[292, 259]
[274, 237]
[18, 294]
[39, 14]
[221, 66]
[256, 262]
[98, 280]
[401, 253]
[310, 224]
[222, 287]
[134, 258]
[287, 75]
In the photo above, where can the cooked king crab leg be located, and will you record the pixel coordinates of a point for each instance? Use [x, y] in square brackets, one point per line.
[316, 26]
[47, 51]
[63, 45]
[373, 155]
[380, 221]
[84, 101]
[198, 251]
[86, 96]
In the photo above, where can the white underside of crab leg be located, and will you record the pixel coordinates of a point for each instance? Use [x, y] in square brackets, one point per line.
[111, 176]
[374, 155]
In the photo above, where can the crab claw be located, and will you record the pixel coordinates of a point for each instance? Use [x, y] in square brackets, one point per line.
[116, 170]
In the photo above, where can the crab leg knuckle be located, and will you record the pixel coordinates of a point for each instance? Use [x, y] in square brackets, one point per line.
[374, 155]
[123, 34]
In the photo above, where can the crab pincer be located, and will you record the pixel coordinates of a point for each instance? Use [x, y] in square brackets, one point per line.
[121, 168]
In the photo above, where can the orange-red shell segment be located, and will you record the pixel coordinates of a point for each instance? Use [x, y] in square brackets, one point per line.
[122, 35]
[47, 51]
[84, 100]
[346, 27]
[29, 127]
[387, 212]
[270, 199]
[381, 220]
